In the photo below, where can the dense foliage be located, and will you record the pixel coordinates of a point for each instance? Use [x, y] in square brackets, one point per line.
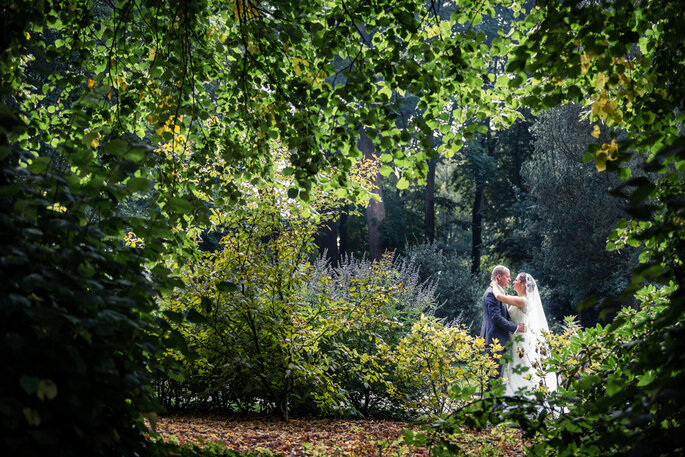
[459, 293]
[79, 333]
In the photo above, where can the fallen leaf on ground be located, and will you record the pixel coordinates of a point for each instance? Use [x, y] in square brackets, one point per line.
[310, 436]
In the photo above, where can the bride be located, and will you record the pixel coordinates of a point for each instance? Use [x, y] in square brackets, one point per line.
[525, 371]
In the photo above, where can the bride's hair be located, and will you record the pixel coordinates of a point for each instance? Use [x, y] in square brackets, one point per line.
[526, 279]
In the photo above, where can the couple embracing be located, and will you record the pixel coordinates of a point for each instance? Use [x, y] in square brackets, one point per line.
[521, 319]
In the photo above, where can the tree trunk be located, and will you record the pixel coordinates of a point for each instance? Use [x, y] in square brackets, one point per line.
[327, 240]
[375, 212]
[283, 407]
[517, 154]
[489, 144]
[429, 218]
[342, 233]
[477, 228]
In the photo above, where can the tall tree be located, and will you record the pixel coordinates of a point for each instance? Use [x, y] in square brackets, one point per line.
[375, 211]
[326, 239]
[568, 200]
[429, 205]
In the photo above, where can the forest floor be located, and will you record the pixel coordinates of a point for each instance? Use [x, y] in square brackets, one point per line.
[323, 437]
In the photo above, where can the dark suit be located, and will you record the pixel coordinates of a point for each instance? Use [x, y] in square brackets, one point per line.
[496, 323]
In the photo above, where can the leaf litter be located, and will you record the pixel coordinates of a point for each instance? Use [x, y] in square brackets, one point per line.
[317, 437]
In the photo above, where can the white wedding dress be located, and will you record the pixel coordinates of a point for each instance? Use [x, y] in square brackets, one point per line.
[528, 349]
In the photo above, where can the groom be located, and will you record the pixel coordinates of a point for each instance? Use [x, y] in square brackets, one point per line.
[496, 323]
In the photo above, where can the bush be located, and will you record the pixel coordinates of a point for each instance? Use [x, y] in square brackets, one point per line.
[382, 300]
[433, 360]
[78, 334]
[249, 336]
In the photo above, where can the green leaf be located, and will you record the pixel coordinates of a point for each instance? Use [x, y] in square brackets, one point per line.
[117, 147]
[633, 242]
[32, 416]
[502, 81]
[614, 386]
[137, 154]
[178, 205]
[29, 384]
[227, 286]
[574, 93]
[137, 184]
[39, 165]
[477, 19]
[624, 173]
[402, 184]
[645, 379]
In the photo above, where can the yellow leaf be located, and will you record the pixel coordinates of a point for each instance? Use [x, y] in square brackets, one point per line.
[584, 63]
[609, 150]
[601, 80]
[297, 60]
[244, 9]
[252, 48]
[47, 389]
[601, 165]
[96, 142]
[109, 95]
[433, 31]
[91, 83]
[28, 36]
[32, 416]
[610, 107]
[151, 54]
[595, 131]
[57, 207]
[600, 101]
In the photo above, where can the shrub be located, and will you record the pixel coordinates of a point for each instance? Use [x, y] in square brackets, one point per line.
[433, 360]
[380, 300]
[286, 335]
[252, 334]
